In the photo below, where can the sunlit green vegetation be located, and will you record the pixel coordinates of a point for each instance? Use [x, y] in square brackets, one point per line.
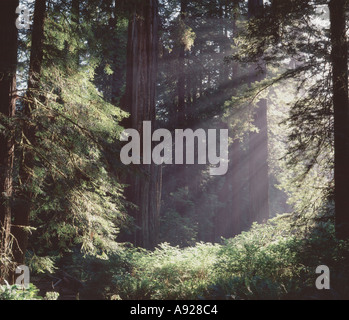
[273, 261]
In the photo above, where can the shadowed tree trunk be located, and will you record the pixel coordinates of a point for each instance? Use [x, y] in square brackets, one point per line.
[139, 101]
[341, 115]
[75, 10]
[118, 77]
[237, 183]
[181, 171]
[8, 64]
[181, 74]
[23, 207]
[229, 224]
[258, 144]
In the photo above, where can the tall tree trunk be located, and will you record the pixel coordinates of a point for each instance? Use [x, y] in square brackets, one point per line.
[228, 220]
[8, 66]
[258, 145]
[145, 190]
[73, 61]
[181, 171]
[258, 166]
[181, 74]
[341, 115]
[229, 224]
[75, 10]
[23, 208]
[237, 183]
[118, 78]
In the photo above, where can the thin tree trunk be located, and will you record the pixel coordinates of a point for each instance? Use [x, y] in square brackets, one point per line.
[229, 224]
[22, 210]
[341, 115]
[258, 166]
[181, 74]
[8, 65]
[258, 145]
[237, 183]
[75, 10]
[117, 78]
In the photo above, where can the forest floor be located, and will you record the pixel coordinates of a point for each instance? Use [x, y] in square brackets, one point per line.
[274, 261]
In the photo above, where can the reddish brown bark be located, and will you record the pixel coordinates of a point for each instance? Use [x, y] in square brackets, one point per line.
[139, 101]
[22, 209]
[341, 115]
[8, 64]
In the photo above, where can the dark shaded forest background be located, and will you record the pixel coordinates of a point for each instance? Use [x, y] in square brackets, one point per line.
[274, 73]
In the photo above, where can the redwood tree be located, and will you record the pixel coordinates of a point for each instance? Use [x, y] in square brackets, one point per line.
[23, 207]
[339, 61]
[139, 101]
[8, 65]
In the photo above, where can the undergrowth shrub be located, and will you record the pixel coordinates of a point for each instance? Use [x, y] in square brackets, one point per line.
[14, 292]
[273, 261]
